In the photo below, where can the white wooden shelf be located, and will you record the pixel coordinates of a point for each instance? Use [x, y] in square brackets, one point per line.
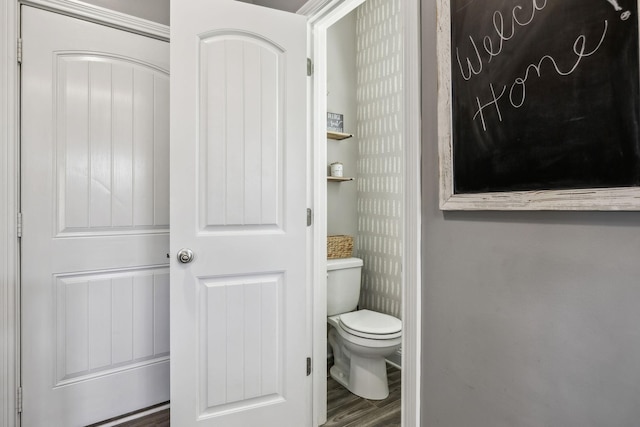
[339, 179]
[338, 136]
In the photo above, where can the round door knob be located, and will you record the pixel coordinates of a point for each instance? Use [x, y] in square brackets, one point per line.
[185, 256]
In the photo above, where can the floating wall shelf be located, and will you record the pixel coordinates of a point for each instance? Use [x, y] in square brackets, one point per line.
[338, 135]
[338, 179]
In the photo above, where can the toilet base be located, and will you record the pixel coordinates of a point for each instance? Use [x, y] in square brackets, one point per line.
[337, 374]
[366, 377]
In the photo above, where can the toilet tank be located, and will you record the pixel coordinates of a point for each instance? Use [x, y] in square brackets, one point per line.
[343, 285]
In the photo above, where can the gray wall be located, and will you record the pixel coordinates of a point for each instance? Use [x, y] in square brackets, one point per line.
[341, 98]
[152, 10]
[529, 319]
[289, 5]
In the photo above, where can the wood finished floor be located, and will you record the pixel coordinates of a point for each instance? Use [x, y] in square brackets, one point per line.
[159, 419]
[344, 409]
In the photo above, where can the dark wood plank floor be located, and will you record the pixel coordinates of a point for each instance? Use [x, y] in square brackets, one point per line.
[344, 409]
[159, 419]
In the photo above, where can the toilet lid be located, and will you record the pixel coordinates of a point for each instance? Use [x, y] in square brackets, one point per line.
[371, 323]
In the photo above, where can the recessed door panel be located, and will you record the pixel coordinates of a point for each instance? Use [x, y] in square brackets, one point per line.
[241, 140]
[242, 335]
[112, 144]
[108, 321]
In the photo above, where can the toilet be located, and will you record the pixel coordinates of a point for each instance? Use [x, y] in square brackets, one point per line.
[362, 339]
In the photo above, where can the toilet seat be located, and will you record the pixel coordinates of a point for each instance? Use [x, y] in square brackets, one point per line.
[371, 324]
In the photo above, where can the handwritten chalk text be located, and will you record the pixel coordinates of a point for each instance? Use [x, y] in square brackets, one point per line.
[518, 89]
[469, 69]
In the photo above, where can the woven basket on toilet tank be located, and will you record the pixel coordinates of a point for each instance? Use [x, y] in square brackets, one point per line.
[340, 246]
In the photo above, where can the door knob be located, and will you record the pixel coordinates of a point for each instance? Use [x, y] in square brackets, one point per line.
[185, 256]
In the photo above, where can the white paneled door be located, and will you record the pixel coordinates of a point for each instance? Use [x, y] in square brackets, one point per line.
[95, 205]
[239, 310]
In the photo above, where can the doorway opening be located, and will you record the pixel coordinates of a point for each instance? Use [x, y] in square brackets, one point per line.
[366, 75]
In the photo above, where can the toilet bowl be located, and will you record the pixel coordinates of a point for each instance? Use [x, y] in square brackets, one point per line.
[360, 340]
[360, 349]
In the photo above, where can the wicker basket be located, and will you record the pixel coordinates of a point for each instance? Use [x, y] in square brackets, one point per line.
[339, 246]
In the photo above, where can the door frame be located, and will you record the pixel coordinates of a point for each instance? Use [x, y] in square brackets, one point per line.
[315, 10]
[9, 207]
[321, 15]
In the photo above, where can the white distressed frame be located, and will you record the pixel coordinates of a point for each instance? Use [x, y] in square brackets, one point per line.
[600, 199]
[322, 14]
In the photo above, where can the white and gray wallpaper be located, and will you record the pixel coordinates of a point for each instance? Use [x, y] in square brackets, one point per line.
[380, 146]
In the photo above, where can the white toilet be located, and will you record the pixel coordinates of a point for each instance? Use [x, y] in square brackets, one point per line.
[360, 340]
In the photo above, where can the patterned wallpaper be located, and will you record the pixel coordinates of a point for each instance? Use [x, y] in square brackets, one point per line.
[380, 146]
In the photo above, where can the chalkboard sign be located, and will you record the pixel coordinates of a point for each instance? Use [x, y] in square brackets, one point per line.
[544, 95]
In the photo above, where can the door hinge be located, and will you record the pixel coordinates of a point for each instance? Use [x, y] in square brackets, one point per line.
[309, 217]
[19, 225]
[19, 400]
[309, 67]
[308, 366]
[19, 51]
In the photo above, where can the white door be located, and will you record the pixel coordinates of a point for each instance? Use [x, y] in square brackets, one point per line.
[95, 186]
[240, 310]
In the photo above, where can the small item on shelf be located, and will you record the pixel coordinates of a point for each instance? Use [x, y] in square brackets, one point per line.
[336, 169]
[335, 122]
[339, 246]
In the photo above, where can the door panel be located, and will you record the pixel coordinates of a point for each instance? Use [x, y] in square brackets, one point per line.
[243, 351]
[242, 116]
[113, 183]
[105, 322]
[239, 310]
[95, 205]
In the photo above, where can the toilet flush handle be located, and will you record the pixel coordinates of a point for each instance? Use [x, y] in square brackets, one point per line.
[185, 255]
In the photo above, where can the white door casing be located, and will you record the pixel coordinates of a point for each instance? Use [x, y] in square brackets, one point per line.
[322, 14]
[95, 205]
[239, 310]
